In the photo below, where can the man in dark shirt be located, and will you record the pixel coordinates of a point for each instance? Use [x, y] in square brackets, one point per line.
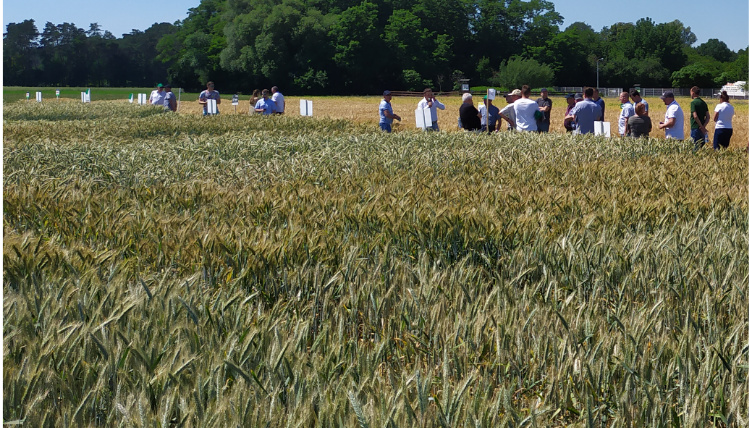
[469, 116]
[698, 119]
[544, 105]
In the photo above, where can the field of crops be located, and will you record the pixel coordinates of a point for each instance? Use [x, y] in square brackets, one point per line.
[175, 270]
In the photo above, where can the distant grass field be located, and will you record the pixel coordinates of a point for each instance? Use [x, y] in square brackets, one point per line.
[168, 269]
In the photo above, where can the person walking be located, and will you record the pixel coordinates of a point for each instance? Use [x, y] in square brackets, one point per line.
[723, 122]
[585, 113]
[386, 113]
[544, 106]
[431, 103]
[673, 124]
[526, 111]
[210, 93]
[637, 98]
[698, 118]
[640, 124]
[628, 110]
[278, 100]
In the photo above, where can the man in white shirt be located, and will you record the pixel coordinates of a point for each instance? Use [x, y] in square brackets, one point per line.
[526, 111]
[628, 110]
[277, 99]
[157, 96]
[674, 122]
[508, 112]
[431, 103]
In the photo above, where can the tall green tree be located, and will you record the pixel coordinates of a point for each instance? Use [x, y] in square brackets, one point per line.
[21, 60]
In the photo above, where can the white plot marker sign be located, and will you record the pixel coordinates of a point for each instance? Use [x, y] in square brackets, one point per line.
[602, 128]
[57, 94]
[86, 97]
[423, 118]
[305, 107]
[211, 107]
[491, 93]
[38, 97]
[142, 100]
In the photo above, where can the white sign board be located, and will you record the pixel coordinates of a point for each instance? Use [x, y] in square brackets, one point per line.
[57, 93]
[211, 107]
[142, 100]
[423, 118]
[491, 93]
[305, 107]
[38, 97]
[602, 128]
[235, 100]
[85, 97]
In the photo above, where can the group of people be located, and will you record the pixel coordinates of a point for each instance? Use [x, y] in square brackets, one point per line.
[583, 109]
[163, 96]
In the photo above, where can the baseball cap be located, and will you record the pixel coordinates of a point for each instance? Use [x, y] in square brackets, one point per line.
[515, 92]
[578, 96]
[168, 85]
[159, 85]
[544, 90]
[569, 96]
[667, 94]
[386, 93]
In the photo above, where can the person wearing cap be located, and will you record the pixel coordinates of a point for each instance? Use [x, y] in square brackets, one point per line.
[170, 103]
[210, 93]
[265, 105]
[544, 105]
[674, 119]
[637, 98]
[569, 122]
[278, 100]
[526, 112]
[157, 96]
[489, 114]
[698, 118]
[431, 103]
[585, 113]
[508, 112]
[628, 110]
[386, 112]
[601, 103]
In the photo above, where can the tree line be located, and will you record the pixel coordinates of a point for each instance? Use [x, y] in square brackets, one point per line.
[355, 47]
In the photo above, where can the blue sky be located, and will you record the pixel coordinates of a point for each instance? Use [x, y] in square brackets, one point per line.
[727, 20]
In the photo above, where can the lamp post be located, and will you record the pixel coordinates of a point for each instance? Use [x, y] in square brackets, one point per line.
[597, 61]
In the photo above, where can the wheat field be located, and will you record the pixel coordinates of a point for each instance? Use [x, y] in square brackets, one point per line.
[174, 270]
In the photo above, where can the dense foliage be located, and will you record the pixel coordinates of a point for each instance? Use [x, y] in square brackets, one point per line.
[173, 270]
[345, 46]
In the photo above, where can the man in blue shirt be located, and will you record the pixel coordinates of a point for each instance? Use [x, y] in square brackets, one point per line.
[265, 105]
[386, 112]
[585, 113]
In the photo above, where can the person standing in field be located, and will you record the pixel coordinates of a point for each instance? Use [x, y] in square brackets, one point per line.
[585, 113]
[674, 119]
[601, 103]
[628, 110]
[635, 95]
[256, 95]
[170, 103]
[508, 112]
[489, 114]
[640, 124]
[157, 96]
[431, 103]
[569, 120]
[723, 122]
[469, 116]
[698, 118]
[210, 93]
[544, 106]
[278, 100]
[265, 105]
[526, 111]
[386, 113]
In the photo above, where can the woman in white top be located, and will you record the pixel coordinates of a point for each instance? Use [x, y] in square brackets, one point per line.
[723, 126]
